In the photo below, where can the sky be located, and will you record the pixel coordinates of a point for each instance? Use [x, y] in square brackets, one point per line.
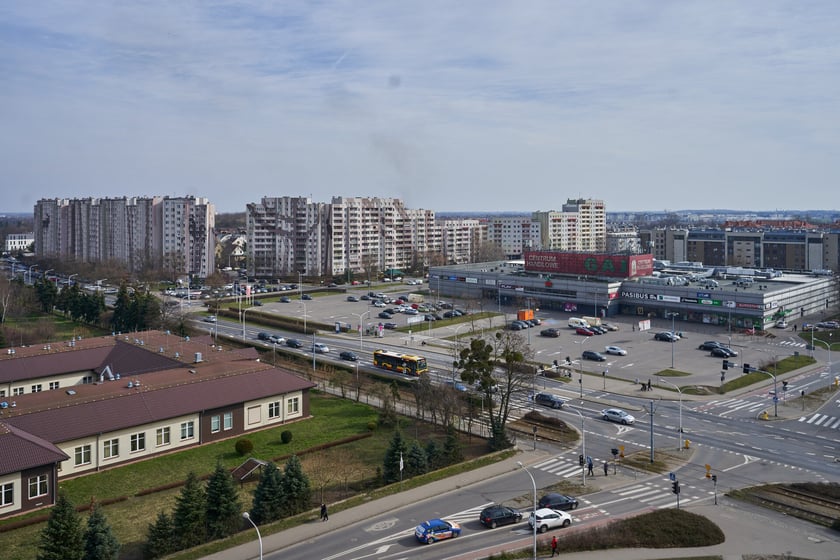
[468, 106]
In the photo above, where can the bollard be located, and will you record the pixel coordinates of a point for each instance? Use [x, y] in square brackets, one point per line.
[765, 416]
[687, 444]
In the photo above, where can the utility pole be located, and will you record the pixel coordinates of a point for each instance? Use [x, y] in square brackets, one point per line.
[651, 431]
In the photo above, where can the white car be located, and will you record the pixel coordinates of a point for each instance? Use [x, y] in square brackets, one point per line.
[549, 519]
[618, 415]
[379, 303]
[615, 350]
[320, 348]
[781, 324]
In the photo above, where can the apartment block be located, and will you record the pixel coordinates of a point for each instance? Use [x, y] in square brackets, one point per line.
[514, 234]
[174, 234]
[591, 223]
[16, 242]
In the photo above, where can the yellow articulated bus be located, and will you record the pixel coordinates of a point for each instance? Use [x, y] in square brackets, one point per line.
[403, 363]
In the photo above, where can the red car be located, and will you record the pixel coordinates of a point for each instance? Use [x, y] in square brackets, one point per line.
[584, 331]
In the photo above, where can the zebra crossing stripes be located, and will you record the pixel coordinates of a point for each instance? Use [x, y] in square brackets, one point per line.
[734, 405]
[560, 467]
[822, 420]
[792, 344]
[649, 493]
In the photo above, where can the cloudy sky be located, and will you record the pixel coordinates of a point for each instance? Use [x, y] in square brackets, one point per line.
[451, 106]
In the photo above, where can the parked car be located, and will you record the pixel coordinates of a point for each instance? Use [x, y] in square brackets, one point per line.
[411, 311]
[709, 344]
[390, 326]
[457, 385]
[352, 298]
[549, 519]
[285, 299]
[429, 317]
[598, 329]
[585, 331]
[809, 327]
[723, 352]
[551, 333]
[592, 355]
[294, 343]
[306, 297]
[385, 315]
[554, 500]
[549, 400]
[666, 336]
[320, 348]
[496, 515]
[615, 350]
[828, 325]
[618, 415]
[349, 356]
[436, 530]
[610, 326]
[364, 297]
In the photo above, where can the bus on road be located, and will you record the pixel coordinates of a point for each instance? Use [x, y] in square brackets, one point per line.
[403, 363]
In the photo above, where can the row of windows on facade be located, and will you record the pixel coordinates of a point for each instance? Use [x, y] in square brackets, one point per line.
[38, 485]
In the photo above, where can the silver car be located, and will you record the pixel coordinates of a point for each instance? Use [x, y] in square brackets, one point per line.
[618, 415]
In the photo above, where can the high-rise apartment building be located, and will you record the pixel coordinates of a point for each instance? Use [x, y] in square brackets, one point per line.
[591, 223]
[173, 234]
[514, 234]
[357, 235]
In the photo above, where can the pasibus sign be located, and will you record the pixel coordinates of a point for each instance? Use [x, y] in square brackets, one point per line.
[591, 264]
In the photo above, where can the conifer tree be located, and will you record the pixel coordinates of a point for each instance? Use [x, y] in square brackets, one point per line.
[391, 465]
[295, 487]
[224, 512]
[434, 455]
[415, 461]
[269, 501]
[188, 519]
[160, 539]
[452, 446]
[100, 542]
[63, 537]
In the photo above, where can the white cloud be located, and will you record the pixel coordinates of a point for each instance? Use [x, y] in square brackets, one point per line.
[451, 106]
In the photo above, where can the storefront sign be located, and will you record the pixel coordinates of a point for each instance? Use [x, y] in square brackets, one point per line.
[592, 264]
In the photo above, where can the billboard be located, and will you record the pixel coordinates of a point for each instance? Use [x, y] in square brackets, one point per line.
[590, 264]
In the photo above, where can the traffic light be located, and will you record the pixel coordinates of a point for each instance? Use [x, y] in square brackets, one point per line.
[614, 451]
[784, 385]
[714, 478]
[725, 364]
[747, 368]
[580, 460]
[675, 487]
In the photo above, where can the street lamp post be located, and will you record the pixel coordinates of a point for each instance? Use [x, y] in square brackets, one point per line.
[243, 320]
[681, 424]
[580, 365]
[361, 325]
[70, 279]
[583, 444]
[827, 345]
[47, 273]
[534, 482]
[30, 272]
[748, 369]
[247, 516]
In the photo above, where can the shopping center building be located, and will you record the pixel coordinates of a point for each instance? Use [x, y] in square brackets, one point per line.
[606, 285]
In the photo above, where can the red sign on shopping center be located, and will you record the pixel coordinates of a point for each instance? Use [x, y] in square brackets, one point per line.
[590, 264]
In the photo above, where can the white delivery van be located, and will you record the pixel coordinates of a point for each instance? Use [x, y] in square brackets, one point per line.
[577, 322]
[708, 283]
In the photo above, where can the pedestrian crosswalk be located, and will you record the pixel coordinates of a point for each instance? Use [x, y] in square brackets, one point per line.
[733, 405]
[654, 494]
[797, 343]
[561, 466]
[822, 420]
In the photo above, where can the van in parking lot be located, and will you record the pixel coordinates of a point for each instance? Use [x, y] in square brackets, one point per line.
[708, 283]
[744, 282]
[577, 322]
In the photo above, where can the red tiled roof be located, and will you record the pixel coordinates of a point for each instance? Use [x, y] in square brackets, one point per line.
[29, 451]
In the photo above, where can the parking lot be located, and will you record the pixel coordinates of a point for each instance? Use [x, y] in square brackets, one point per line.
[644, 359]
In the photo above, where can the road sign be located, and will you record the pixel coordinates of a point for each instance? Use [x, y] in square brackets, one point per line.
[672, 476]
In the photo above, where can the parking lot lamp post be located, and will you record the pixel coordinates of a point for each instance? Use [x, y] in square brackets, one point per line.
[681, 425]
[827, 345]
[243, 320]
[673, 333]
[304, 316]
[534, 483]
[247, 516]
[361, 327]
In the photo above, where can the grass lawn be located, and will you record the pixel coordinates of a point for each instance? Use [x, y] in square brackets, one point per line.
[339, 471]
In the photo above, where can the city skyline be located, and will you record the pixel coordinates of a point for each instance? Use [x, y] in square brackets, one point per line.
[454, 108]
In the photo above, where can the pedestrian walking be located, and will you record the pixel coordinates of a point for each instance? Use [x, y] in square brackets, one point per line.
[553, 545]
[589, 466]
[324, 515]
[649, 389]
[606, 469]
